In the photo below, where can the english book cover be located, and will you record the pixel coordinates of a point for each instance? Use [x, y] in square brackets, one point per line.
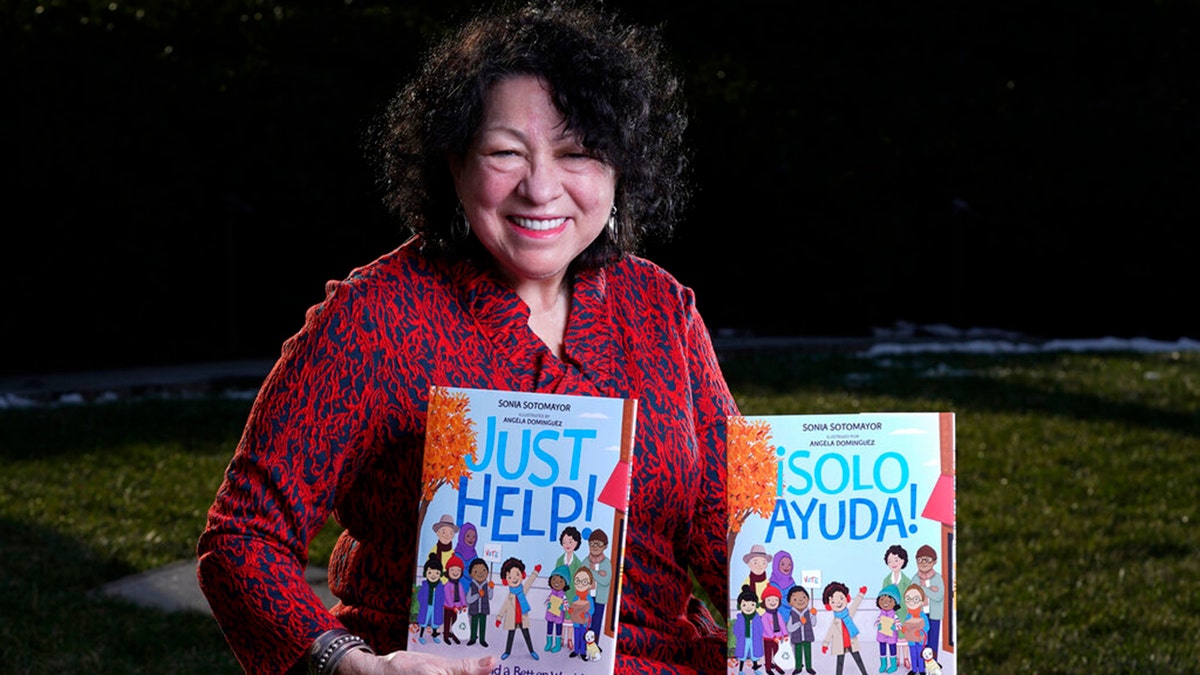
[842, 544]
[522, 529]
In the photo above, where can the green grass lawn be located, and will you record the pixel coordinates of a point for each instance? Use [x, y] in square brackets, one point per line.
[1078, 484]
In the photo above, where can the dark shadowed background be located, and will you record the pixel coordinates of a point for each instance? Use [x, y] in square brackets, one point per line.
[181, 178]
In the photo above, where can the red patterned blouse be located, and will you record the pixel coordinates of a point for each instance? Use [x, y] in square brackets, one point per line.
[337, 430]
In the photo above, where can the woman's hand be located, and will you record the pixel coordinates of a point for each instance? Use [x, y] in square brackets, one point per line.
[413, 663]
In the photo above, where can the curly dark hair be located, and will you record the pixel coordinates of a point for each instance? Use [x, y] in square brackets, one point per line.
[834, 587]
[899, 552]
[572, 532]
[611, 82]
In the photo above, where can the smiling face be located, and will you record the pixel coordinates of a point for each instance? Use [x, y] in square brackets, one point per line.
[798, 601]
[569, 542]
[913, 599]
[470, 537]
[445, 534]
[785, 565]
[583, 582]
[894, 562]
[837, 601]
[514, 577]
[479, 572]
[535, 197]
[758, 564]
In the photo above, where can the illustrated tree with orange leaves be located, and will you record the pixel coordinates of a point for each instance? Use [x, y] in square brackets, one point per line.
[449, 440]
[752, 477]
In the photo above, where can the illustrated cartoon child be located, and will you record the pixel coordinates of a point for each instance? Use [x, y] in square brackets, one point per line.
[747, 629]
[430, 598]
[581, 609]
[514, 612]
[479, 600]
[602, 572]
[935, 594]
[556, 608]
[887, 627]
[842, 635]
[800, 628]
[454, 598]
[915, 626]
[774, 626]
[570, 540]
[758, 559]
[444, 528]
[896, 558]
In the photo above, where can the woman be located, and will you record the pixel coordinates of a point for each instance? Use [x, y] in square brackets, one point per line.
[468, 536]
[530, 156]
[782, 567]
[570, 539]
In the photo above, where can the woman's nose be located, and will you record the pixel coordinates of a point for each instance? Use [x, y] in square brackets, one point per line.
[542, 182]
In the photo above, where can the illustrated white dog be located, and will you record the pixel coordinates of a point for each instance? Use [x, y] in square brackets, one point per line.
[932, 667]
[593, 649]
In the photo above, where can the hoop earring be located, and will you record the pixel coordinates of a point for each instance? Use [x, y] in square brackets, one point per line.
[460, 228]
[611, 225]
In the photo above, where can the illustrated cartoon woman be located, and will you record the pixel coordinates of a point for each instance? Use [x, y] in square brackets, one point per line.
[896, 559]
[464, 548]
[782, 567]
[570, 539]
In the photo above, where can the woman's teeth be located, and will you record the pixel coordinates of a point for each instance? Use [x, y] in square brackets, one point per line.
[539, 225]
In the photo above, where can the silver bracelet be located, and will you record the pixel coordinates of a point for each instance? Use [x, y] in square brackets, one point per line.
[329, 648]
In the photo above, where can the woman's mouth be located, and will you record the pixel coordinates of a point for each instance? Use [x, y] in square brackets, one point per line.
[537, 224]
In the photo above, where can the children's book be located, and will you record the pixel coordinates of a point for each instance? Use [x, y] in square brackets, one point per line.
[522, 529]
[842, 543]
